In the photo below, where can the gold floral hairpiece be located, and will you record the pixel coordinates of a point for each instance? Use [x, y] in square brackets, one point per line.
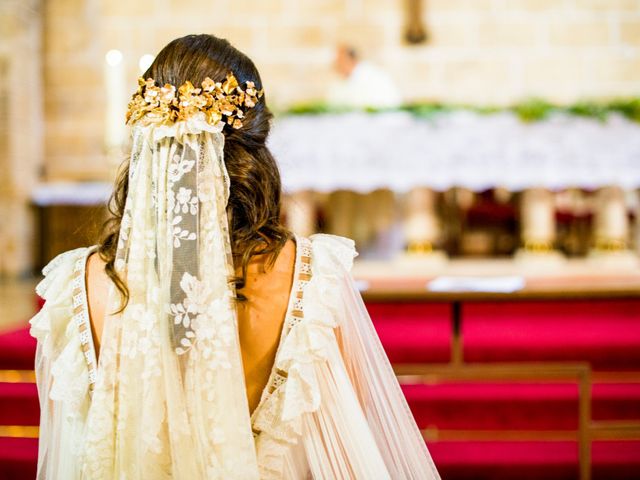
[216, 100]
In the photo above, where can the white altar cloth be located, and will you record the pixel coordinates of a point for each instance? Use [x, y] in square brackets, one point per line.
[71, 193]
[395, 150]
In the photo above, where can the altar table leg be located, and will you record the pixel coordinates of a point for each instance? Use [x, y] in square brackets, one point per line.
[421, 226]
[538, 226]
[611, 223]
[611, 229]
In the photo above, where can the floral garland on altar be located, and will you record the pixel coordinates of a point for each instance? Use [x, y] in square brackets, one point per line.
[531, 110]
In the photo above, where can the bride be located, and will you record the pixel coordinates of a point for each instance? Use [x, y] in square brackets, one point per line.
[200, 339]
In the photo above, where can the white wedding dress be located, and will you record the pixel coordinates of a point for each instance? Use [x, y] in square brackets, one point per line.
[332, 408]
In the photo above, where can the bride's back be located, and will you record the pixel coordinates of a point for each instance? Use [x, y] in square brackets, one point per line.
[197, 201]
[260, 316]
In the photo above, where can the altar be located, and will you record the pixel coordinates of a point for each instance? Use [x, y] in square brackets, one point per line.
[414, 157]
[468, 151]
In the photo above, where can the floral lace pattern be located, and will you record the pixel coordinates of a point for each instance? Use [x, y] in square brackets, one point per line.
[167, 385]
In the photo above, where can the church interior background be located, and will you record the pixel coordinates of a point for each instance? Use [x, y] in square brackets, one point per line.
[491, 182]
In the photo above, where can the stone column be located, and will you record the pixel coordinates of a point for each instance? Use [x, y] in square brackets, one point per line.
[21, 131]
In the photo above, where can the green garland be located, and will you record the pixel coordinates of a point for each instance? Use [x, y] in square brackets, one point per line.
[532, 110]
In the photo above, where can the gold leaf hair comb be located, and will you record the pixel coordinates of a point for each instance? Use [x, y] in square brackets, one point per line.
[217, 100]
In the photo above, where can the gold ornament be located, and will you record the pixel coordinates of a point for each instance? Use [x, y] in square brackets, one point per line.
[167, 105]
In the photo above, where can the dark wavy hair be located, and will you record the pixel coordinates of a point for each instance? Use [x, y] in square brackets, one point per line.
[255, 195]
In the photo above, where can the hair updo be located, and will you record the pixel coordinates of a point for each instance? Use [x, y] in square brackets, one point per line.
[254, 204]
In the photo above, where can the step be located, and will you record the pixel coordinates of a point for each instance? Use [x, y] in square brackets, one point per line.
[18, 458]
[605, 333]
[526, 460]
[19, 404]
[413, 332]
[516, 406]
[456, 460]
[17, 350]
[466, 406]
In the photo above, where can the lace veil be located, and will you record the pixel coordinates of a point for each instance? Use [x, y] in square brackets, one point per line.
[169, 400]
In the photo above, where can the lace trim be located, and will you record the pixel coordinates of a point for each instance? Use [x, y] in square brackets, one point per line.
[81, 315]
[295, 313]
[292, 389]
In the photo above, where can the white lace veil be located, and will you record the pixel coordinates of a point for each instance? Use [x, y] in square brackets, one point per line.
[169, 399]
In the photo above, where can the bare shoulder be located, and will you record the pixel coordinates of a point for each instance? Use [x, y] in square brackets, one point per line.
[287, 256]
[96, 275]
[98, 283]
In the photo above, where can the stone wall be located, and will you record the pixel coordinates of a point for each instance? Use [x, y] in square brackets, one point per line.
[21, 128]
[478, 52]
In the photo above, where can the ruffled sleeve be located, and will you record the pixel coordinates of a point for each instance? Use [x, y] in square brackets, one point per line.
[337, 410]
[56, 290]
[312, 391]
[62, 372]
[333, 255]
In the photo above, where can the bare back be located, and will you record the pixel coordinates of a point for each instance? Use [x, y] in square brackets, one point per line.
[260, 318]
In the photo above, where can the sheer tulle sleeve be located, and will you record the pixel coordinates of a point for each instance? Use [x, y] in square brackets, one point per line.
[363, 427]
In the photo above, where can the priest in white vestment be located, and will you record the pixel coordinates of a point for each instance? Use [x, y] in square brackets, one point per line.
[362, 84]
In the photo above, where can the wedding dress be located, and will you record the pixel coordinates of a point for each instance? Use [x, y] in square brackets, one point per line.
[166, 398]
[332, 408]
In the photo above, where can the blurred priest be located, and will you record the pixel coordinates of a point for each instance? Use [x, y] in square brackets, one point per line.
[362, 84]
